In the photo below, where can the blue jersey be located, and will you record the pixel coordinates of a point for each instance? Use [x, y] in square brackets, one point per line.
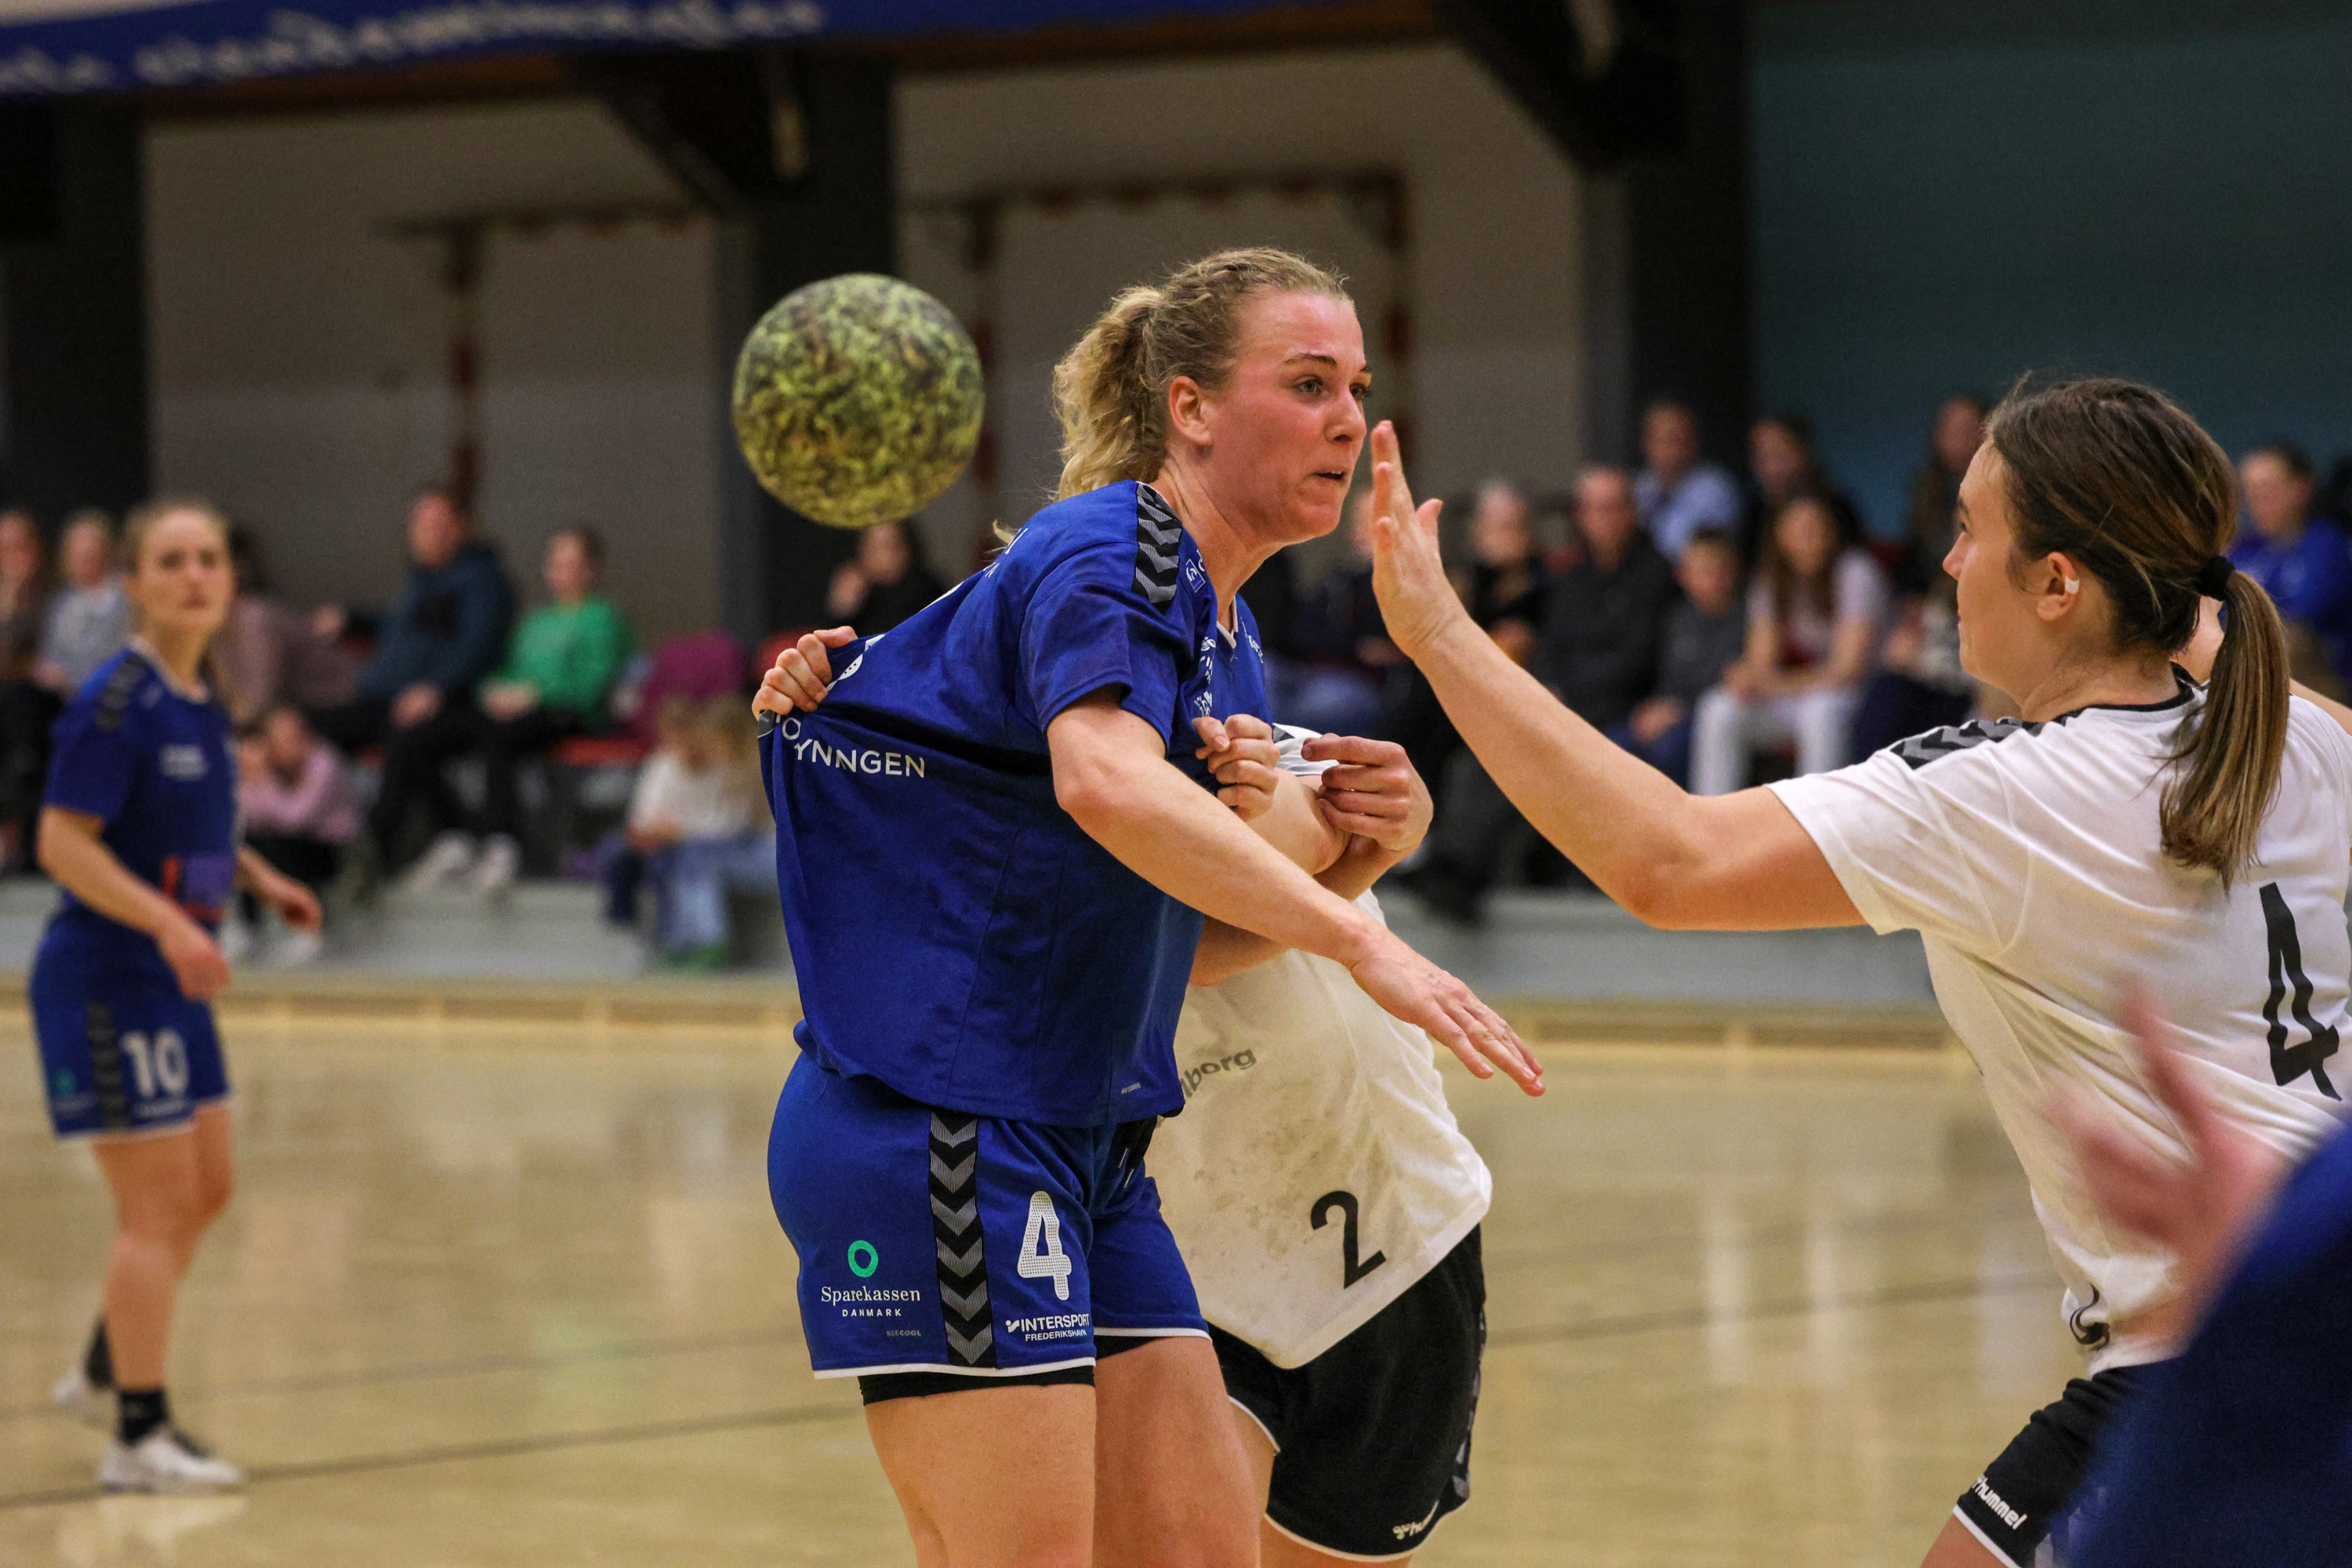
[956, 936]
[156, 768]
[2240, 1450]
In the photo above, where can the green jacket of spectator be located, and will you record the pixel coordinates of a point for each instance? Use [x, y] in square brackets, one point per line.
[571, 655]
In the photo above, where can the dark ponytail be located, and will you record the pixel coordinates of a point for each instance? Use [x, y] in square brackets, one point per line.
[2119, 478]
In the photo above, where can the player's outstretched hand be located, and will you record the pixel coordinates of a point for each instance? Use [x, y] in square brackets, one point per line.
[2202, 1211]
[1240, 752]
[1374, 792]
[803, 673]
[195, 960]
[1417, 599]
[1418, 992]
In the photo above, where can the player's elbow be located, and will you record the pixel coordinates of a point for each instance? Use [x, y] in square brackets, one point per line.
[1665, 886]
[49, 843]
[1087, 785]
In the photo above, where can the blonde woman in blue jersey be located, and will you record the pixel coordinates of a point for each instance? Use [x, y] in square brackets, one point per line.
[996, 841]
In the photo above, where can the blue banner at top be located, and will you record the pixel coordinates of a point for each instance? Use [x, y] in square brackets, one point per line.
[209, 43]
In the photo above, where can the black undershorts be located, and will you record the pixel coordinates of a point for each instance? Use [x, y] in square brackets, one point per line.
[1372, 1437]
[2014, 1504]
[875, 1387]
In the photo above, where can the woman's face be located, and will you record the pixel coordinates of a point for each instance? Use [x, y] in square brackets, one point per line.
[1285, 430]
[1807, 537]
[882, 553]
[87, 556]
[20, 547]
[1999, 628]
[1959, 431]
[181, 582]
[1777, 458]
[568, 573]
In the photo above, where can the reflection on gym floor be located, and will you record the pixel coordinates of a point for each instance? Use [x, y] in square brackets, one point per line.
[496, 1297]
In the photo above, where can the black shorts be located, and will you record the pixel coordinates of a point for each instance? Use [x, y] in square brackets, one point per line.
[2014, 1504]
[1372, 1437]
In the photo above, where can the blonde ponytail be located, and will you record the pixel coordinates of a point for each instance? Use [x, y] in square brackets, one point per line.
[1111, 391]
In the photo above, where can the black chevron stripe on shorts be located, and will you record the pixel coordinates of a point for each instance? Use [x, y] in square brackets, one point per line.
[955, 1227]
[1157, 536]
[106, 1075]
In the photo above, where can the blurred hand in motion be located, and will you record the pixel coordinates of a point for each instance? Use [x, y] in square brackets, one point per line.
[195, 960]
[2202, 1211]
[803, 673]
[1417, 599]
[1415, 990]
[1373, 793]
[1242, 756]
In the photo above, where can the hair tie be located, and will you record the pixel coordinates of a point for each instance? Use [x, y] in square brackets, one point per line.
[2213, 577]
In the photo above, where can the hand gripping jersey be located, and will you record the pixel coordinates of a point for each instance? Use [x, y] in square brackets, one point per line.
[2027, 855]
[155, 766]
[1316, 1174]
[956, 935]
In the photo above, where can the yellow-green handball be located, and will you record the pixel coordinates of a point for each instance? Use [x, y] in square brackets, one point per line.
[858, 399]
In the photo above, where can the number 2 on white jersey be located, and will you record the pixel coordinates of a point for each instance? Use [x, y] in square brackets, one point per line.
[1047, 1262]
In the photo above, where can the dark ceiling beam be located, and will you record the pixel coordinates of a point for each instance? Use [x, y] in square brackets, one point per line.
[1605, 99]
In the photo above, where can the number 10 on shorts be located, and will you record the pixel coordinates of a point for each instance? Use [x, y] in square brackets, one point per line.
[161, 1063]
[1042, 1257]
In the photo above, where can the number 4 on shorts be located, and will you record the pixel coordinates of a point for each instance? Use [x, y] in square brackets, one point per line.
[1047, 1262]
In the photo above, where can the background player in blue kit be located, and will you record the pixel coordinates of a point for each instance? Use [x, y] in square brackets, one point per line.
[994, 881]
[2240, 1451]
[138, 827]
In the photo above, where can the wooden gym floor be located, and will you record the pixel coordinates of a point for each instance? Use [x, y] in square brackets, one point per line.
[510, 1293]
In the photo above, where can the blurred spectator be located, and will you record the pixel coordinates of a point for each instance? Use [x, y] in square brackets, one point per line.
[299, 812]
[89, 618]
[556, 682]
[1347, 644]
[1953, 440]
[1507, 579]
[1813, 615]
[1272, 594]
[1783, 464]
[1602, 623]
[2304, 562]
[884, 583]
[1704, 635]
[1678, 493]
[1920, 684]
[696, 831]
[443, 636]
[27, 709]
[268, 655]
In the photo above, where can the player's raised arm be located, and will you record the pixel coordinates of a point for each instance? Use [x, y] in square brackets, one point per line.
[1731, 862]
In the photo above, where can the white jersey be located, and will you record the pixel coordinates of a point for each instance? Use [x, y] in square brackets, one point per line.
[2028, 857]
[1315, 1172]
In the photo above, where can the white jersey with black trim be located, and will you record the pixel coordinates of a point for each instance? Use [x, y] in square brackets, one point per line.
[1315, 1172]
[2028, 855]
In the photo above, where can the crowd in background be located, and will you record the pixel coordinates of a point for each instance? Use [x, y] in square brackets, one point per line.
[1723, 626]
[1726, 627]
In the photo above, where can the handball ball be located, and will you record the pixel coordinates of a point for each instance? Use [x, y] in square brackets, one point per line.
[858, 399]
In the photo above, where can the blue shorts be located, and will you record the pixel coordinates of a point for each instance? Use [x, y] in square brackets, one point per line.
[123, 1052]
[938, 1241]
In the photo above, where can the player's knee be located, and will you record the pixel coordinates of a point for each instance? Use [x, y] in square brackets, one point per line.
[211, 1198]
